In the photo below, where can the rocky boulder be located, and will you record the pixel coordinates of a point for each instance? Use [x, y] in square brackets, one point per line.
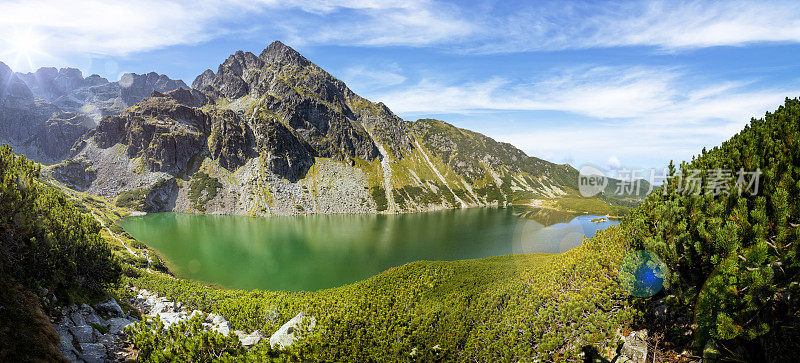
[289, 332]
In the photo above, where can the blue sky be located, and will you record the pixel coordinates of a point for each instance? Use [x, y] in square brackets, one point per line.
[616, 84]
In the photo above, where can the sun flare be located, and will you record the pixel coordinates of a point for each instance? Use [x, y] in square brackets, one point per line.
[24, 46]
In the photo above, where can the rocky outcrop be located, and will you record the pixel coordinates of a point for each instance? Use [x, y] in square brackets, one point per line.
[186, 97]
[134, 87]
[165, 134]
[92, 334]
[231, 141]
[634, 348]
[76, 174]
[203, 80]
[56, 137]
[282, 151]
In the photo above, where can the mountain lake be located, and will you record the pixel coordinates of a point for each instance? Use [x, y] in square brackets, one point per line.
[321, 251]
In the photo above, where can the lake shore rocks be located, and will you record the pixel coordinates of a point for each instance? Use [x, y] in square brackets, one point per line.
[174, 312]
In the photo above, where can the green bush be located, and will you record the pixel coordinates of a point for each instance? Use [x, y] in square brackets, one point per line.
[48, 248]
[733, 258]
[132, 199]
[507, 308]
[45, 240]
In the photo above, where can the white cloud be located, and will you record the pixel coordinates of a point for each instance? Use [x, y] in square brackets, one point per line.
[373, 77]
[664, 113]
[663, 95]
[613, 163]
[669, 25]
[95, 27]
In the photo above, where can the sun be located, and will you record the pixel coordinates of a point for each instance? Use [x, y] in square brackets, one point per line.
[23, 47]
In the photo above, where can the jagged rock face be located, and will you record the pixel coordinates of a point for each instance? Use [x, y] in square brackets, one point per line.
[320, 108]
[164, 133]
[76, 174]
[231, 141]
[167, 135]
[203, 79]
[283, 152]
[57, 136]
[95, 95]
[23, 117]
[11, 87]
[43, 114]
[50, 83]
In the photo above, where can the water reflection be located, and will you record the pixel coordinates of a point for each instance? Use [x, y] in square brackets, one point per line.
[315, 252]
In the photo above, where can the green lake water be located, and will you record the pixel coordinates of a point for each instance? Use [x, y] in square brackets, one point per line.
[322, 251]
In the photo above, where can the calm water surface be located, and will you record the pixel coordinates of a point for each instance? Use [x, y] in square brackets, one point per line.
[316, 252]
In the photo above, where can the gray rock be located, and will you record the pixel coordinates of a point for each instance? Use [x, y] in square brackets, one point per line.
[635, 347]
[93, 352]
[115, 325]
[106, 339]
[110, 307]
[171, 318]
[216, 319]
[71, 354]
[162, 307]
[249, 340]
[93, 318]
[223, 328]
[287, 334]
[65, 344]
[77, 318]
[83, 333]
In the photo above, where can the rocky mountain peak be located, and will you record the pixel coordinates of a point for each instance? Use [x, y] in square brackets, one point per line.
[11, 86]
[135, 87]
[50, 83]
[278, 52]
[203, 79]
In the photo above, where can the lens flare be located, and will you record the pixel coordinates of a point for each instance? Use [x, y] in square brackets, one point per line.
[643, 274]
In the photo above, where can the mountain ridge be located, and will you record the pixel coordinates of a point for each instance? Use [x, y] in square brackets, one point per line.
[44, 113]
[275, 134]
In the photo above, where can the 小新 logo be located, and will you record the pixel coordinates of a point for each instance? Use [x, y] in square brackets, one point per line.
[591, 181]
